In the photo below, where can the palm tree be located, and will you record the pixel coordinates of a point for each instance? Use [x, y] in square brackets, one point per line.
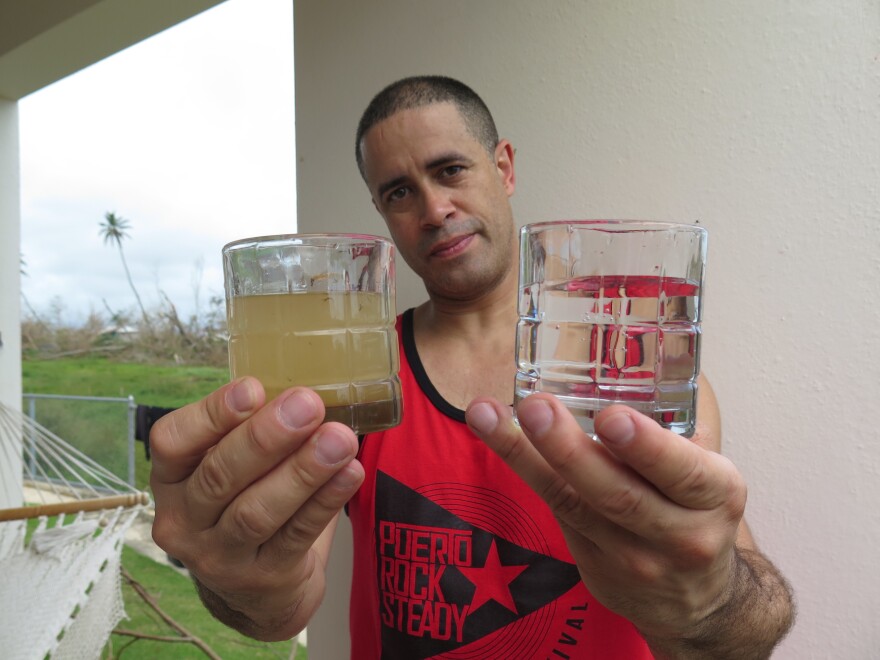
[113, 230]
[23, 270]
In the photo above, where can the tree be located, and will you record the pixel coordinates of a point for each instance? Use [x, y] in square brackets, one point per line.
[113, 230]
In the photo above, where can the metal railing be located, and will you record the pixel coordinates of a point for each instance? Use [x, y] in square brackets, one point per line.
[65, 431]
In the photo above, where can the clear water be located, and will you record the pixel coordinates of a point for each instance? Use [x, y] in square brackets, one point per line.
[599, 340]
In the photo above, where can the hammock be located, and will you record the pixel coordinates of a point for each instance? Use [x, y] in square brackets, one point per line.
[60, 585]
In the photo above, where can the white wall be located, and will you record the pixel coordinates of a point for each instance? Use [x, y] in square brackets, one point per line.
[10, 331]
[762, 120]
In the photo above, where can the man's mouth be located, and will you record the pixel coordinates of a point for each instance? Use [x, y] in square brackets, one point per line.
[452, 247]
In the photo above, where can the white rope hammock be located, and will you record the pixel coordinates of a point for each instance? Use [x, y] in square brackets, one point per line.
[60, 585]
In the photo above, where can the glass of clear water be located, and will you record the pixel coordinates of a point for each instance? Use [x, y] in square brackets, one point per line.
[610, 312]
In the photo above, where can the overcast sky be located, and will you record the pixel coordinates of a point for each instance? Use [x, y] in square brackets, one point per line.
[188, 135]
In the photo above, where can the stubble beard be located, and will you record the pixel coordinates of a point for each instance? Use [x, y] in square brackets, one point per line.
[472, 276]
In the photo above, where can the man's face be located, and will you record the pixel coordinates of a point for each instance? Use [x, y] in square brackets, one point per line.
[444, 199]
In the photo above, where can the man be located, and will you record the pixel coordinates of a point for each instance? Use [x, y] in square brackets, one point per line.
[471, 533]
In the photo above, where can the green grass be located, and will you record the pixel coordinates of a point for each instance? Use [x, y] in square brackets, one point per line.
[176, 595]
[165, 386]
[155, 385]
[100, 429]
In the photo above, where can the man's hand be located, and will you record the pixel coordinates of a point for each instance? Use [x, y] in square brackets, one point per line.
[651, 520]
[244, 493]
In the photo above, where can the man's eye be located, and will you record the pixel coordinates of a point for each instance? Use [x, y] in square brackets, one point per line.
[451, 170]
[397, 194]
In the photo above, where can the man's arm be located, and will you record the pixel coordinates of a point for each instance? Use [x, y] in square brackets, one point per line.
[247, 497]
[749, 623]
[760, 609]
[653, 521]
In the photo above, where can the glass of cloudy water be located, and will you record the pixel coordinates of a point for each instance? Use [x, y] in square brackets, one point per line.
[317, 310]
[610, 312]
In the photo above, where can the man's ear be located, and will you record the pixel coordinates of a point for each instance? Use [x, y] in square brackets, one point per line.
[504, 155]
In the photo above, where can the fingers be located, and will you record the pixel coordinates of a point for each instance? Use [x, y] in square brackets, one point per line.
[650, 517]
[312, 518]
[299, 496]
[639, 477]
[179, 440]
[495, 426]
[680, 468]
[225, 457]
[251, 456]
[570, 471]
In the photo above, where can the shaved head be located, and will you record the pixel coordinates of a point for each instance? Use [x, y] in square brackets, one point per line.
[419, 91]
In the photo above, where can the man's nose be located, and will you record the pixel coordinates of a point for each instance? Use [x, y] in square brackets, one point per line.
[437, 205]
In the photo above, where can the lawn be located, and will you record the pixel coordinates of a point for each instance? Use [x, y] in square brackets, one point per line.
[164, 386]
[176, 596]
[99, 429]
[155, 385]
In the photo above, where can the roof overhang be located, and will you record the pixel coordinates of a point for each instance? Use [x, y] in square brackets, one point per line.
[43, 41]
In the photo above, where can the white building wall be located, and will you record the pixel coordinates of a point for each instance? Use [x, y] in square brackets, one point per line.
[10, 330]
[760, 119]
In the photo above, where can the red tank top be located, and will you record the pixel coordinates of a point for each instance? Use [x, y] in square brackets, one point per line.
[455, 557]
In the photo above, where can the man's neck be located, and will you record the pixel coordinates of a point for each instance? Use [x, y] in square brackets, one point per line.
[467, 348]
[440, 318]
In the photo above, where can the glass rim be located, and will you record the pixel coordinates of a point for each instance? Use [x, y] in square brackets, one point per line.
[612, 225]
[326, 239]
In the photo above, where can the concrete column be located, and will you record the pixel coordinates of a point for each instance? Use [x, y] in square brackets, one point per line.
[10, 300]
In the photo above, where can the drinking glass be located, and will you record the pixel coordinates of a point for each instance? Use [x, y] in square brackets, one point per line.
[610, 312]
[317, 310]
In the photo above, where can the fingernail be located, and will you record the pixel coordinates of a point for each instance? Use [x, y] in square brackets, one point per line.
[482, 418]
[535, 416]
[617, 429]
[330, 448]
[346, 478]
[240, 397]
[297, 410]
